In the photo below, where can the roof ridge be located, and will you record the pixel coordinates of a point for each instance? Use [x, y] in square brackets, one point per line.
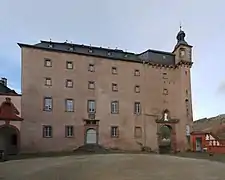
[153, 56]
[89, 46]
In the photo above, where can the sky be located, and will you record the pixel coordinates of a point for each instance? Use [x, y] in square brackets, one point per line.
[129, 25]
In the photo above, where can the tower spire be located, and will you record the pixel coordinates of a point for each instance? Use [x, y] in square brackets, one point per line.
[180, 26]
[180, 37]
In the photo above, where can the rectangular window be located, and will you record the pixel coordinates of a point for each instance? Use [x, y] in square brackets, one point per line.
[136, 72]
[137, 89]
[91, 85]
[47, 131]
[91, 68]
[69, 105]
[114, 131]
[114, 87]
[69, 65]
[91, 106]
[47, 104]
[137, 108]
[165, 75]
[186, 92]
[165, 91]
[69, 131]
[137, 132]
[115, 107]
[48, 63]
[48, 82]
[114, 70]
[69, 83]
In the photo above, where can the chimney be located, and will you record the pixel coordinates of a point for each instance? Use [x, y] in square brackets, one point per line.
[4, 81]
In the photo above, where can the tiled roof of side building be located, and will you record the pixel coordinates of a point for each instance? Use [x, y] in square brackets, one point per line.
[5, 90]
[153, 56]
[205, 123]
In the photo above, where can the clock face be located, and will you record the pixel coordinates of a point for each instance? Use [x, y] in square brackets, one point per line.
[182, 53]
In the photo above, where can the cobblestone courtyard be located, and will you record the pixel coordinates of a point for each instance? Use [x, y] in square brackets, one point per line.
[113, 167]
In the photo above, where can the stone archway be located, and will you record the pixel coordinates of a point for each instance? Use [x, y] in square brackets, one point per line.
[165, 139]
[91, 136]
[9, 139]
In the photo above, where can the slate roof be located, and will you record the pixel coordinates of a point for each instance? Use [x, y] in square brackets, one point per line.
[152, 56]
[6, 90]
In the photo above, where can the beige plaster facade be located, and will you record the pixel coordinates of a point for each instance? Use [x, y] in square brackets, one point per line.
[154, 79]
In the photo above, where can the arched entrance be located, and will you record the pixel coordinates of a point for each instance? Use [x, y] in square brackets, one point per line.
[9, 139]
[91, 136]
[165, 139]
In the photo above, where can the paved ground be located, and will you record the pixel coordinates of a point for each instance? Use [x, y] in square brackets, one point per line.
[113, 167]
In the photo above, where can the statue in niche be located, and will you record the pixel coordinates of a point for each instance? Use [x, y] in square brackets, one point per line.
[207, 137]
[165, 116]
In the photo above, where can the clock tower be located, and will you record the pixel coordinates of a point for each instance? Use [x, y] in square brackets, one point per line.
[182, 50]
[183, 63]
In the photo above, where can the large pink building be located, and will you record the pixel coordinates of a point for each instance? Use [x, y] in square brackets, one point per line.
[74, 95]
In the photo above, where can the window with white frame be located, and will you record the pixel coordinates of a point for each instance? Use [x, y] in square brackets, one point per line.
[114, 70]
[47, 131]
[69, 83]
[115, 107]
[69, 65]
[47, 104]
[137, 108]
[91, 85]
[137, 89]
[165, 91]
[136, 72]
[69, 105]
[48, 82]
[91, 106]
[91, 67]
[48, 63]
[165, 75]
[114, 131]
[114, 87]
[69, 130]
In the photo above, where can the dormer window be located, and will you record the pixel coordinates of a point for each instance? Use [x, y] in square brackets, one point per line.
[71, 48]
[125, 55]
[50, 45]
